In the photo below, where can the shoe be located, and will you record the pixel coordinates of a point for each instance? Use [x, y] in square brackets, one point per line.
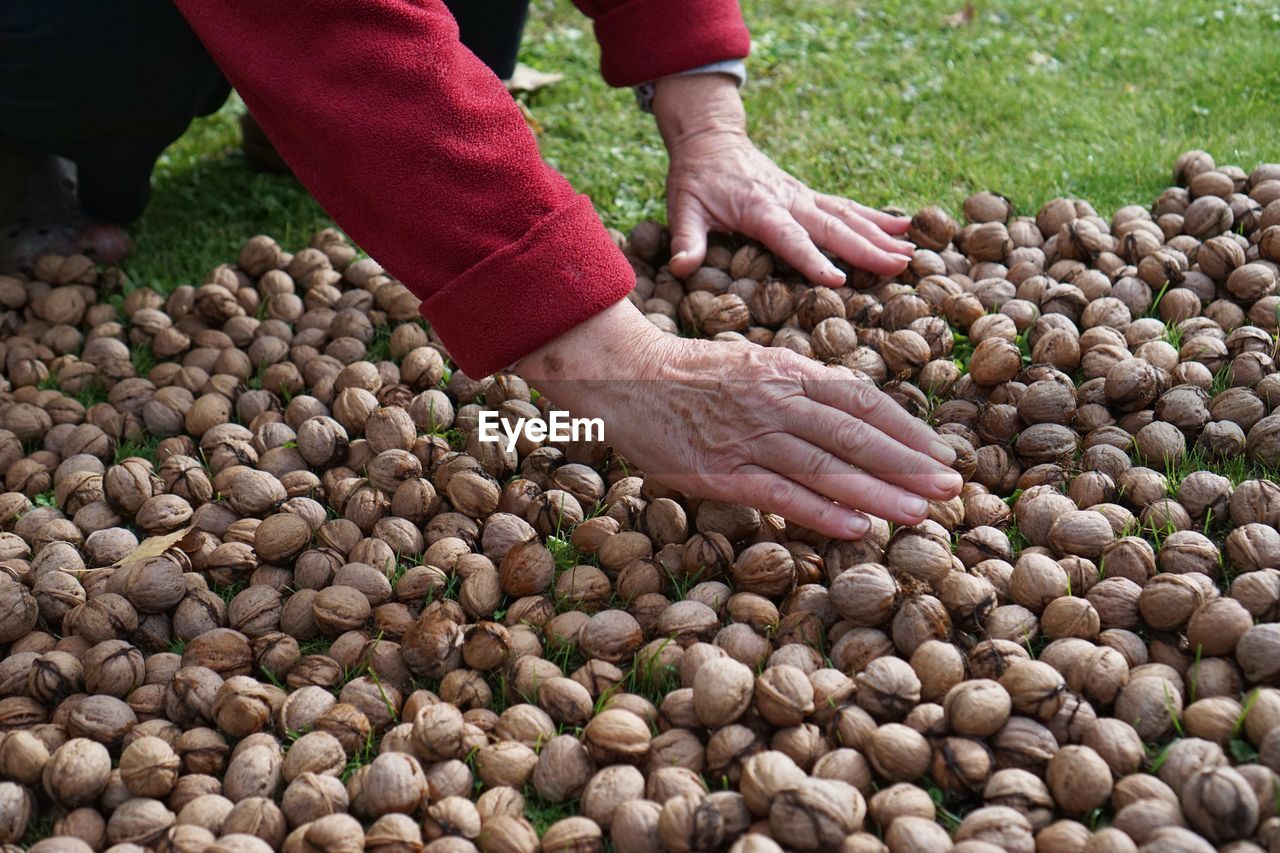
[258, 150]
[40, 213]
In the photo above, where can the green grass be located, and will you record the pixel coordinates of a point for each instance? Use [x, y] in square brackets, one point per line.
[379, 348]
[91, 395]
[318, 646]
[566, 556]
[949, 818]
[543, 814]
[144, 359]
[1236, 468]
[40, 825]
[450, 591]
[652, 679]
[885, 102]
[207, 202]
[566, 656]
[1242, 751]
[457, 438]
[679, 583]
[143, 448]
[367, 752]
[228, 591]
[1157, 754]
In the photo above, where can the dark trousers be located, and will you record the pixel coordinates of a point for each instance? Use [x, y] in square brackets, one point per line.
[109, 85]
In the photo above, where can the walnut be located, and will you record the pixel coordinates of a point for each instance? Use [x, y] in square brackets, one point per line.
[255, 492]
[609, 789]
[722, 691]
[395, 784]
[865, 594]
[932, 228]
[999, 826]
[611, 635]
[77, 772]
[1220, 803]
[764, 776]
[1255, 652]
[1035, 688]
[919, 553]
[994, 360]
[139, 821]
[615, 736]
[1078, 778]
[987, 206]
[563, 769]
[977, 708]
[1148, 703]
[23, 757]
[19, 611]
[573, 833]
[149, 767]
[765, 568]
[898, 753]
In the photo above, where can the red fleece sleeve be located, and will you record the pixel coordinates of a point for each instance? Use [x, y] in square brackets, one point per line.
[642, 40]
[415, 148]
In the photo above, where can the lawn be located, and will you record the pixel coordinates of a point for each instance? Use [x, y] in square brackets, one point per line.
[892, 102]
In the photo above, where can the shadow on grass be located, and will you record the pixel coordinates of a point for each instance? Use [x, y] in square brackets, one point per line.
[206, 202]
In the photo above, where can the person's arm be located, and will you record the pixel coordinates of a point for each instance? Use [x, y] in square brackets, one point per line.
[414, 147]
[718, 180]
[419, 153]
[645, 40]
[747, 424]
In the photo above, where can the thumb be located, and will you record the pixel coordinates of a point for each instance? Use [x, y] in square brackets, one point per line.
[688, 236]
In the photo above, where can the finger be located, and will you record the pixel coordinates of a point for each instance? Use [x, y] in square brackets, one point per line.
[689, 228]
[863, 225]
[818, 471]
[859, 250]
[774, 493]
[842, 207]
[774, 226]
[856, 442]
[866, 402]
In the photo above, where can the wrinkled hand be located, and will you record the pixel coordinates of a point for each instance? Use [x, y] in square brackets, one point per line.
[756, 425]
[718, 180]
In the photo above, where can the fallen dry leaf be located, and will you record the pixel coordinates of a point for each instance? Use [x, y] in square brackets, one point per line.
[526, 79]
[959, 19]
[529, 119]
[154, 546]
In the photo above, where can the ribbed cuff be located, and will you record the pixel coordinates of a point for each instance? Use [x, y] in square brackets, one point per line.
[646, 39]
[564, 271]
[735, 68]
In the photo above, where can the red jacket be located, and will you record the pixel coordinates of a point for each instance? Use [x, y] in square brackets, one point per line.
[415, 148]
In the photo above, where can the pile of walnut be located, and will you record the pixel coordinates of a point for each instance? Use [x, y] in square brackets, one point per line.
[274, 594]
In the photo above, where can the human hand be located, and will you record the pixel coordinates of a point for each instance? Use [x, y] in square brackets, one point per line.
[718, 180]
[737, 422]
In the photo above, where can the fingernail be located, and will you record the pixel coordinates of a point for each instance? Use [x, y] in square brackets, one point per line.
[858, 525]
[948, 481]
[943, 452]
[832, 272]
[915, 506]
[679, 256]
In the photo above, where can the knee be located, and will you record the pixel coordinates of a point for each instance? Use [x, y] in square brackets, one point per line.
[115, 191]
